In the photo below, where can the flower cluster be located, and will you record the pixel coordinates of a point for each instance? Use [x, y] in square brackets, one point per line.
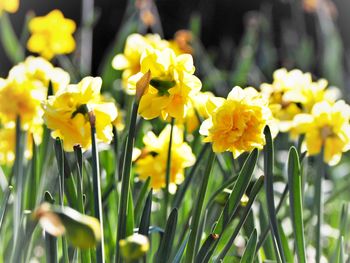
[21, 95]
[66, 114]
[172, 81]
[153, 159]
[236, 124]
[51, 35]
[303, 106]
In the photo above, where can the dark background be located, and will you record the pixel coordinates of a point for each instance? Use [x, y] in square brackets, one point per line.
[222, 21]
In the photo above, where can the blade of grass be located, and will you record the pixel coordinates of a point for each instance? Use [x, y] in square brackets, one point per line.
[295, 200]
[342, 227]
[180, 252]
[341, 257]
[287, 252]
[238, 190]
[85, 253]
[146, 215]
[141, 199]
[51, 247]
[167, 240]
[319, 201]
[197, 211]
[168, 170]
[61, 174]
[4, 205]
[184, 186]
[249, 252]
[253, 194]
[123, 204]
[9, 40]
[96, 178]
[268, 170]
[207, 245]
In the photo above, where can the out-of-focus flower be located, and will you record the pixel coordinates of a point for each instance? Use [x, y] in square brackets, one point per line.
[10, 6]
[40, 72]
[327, 126]
[65, 114]
[51, 35]
[182, 42]
[134, 247]
[236, 124]
[129, 61]
[196, 111]
[171, 86]
[23, 99]
[8, 144]
[292, 93]
[153, 163]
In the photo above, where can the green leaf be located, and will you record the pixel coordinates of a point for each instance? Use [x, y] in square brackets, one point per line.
[268, 170]
[253, 194]
[249, 252]
[197, 211]
[125, 185]
[146, 215]
[167, 240]
[341, 257]
[141, 199]
[10, 41]
[4, 205]
[237, 192]
[287, 252]
[130, 216]
[180, 252]
[207, 245]
[295, 200]
[185, 185]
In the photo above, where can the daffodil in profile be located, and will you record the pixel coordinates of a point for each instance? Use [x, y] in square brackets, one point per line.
[153, 159]
[10, 6]
[51, 35]
[294, 92]
[326, 126]
[236, 124]
[66, 114]
[172, 84]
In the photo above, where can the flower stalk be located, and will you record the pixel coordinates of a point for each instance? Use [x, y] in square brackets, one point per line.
[96, 186]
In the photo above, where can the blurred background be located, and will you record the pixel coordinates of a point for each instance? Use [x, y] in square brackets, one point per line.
[235, 42]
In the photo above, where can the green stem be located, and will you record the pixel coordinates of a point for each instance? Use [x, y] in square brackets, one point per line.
[319, 204]
[60, 165]
[197, 211]
[125, 188]
[100, 257]
[168, 170]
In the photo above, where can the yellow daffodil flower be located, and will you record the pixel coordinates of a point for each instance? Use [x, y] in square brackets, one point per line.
[65, 114]
[172, 84]
[40, 72]
[196, 111]
[23, 99]
[153, 163]
[293, 92]
[327, 126]
[8, 143]
[236, 124]
[51, 35]
[10, 6]
[129, 61]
